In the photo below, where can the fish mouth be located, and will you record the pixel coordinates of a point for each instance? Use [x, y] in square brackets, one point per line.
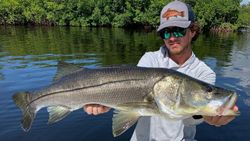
[230, 101]
[225, 109]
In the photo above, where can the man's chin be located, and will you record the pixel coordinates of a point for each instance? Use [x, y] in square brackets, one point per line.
[175, 51]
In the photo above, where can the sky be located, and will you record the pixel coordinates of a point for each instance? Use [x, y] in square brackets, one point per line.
[245, 1]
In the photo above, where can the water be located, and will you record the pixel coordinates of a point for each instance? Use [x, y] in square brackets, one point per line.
[28, 59]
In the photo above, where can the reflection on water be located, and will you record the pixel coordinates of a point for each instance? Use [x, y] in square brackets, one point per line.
[28, 59]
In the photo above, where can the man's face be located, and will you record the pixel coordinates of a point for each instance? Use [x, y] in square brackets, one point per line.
[178, 40]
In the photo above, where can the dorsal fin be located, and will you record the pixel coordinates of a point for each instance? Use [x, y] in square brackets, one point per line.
[64, 68]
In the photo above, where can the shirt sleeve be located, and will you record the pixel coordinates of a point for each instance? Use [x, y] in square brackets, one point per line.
[209, 77]
[204, 73]
[146, 60]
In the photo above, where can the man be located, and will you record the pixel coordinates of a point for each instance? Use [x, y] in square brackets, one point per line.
[178, 30]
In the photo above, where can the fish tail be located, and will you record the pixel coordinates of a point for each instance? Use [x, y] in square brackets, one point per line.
[22, 100]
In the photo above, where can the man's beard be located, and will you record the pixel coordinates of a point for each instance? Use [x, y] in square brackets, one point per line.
[176, 50]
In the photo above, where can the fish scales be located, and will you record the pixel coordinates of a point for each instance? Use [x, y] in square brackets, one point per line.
[112, 86]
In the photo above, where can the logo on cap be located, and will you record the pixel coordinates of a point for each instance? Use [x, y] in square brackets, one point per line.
[172, 13]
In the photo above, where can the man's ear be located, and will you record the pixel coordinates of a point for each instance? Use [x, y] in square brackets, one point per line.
[193, 33]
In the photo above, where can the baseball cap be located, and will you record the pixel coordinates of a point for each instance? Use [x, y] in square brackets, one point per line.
[176, 13]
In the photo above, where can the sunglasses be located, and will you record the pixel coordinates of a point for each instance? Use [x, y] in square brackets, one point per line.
[177, 32]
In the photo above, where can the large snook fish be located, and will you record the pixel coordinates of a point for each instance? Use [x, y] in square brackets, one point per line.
[132, 91]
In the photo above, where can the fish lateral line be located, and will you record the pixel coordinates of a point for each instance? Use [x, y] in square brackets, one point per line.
[76, 89]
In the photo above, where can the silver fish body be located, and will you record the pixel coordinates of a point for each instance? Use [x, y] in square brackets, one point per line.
[132, 91]
[108, 87]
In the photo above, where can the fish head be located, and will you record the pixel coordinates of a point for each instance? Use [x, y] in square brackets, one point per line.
[172, 99]
[208, 99]
[181, 96]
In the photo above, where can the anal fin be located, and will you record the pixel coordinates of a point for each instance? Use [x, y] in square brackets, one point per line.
[57, 113]
[122, 121]
[129, 113]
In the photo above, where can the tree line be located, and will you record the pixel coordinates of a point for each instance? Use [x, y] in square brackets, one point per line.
[119, 13]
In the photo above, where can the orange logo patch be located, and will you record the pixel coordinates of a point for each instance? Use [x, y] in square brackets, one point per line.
[172, 13]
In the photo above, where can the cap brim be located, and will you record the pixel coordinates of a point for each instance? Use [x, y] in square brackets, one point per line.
[183, 24]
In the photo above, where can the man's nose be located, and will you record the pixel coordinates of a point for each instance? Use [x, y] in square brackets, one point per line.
[172, 37]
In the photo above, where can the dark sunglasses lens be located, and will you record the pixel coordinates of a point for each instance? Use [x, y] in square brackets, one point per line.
[166, 35]
[179, 32]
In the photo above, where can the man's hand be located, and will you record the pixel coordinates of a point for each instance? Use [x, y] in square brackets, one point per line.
[95, 109]
[220, 120]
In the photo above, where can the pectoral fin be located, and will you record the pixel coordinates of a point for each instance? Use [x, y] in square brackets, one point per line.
[57, 113]
[122, 121]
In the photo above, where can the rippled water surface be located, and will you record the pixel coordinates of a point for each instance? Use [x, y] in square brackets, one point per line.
[29, 57]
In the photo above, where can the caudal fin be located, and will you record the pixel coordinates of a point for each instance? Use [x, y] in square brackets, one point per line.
[22, 100]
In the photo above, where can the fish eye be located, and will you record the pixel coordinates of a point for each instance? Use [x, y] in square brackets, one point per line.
[209, 89]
